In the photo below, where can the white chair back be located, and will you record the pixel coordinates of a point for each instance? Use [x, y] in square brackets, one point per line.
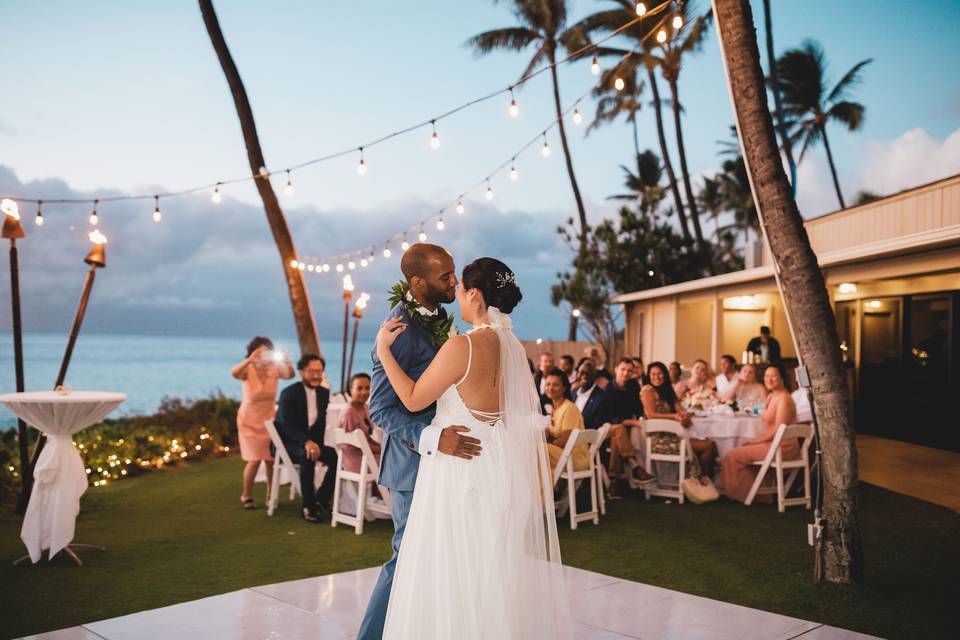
[564, 470]
[368, 474]
[655, 426]
[283, 470]
[774, 459]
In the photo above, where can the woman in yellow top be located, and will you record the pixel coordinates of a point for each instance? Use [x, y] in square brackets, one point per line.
[564, 419]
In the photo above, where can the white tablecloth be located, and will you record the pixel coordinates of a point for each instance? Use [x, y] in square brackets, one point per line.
[727, 431]
[59, 479]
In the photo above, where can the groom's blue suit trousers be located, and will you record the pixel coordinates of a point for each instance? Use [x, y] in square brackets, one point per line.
[372, 626]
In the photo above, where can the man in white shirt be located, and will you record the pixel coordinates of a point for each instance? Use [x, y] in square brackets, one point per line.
[726, 373]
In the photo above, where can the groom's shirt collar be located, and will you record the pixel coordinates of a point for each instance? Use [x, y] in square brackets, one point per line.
[423, 310]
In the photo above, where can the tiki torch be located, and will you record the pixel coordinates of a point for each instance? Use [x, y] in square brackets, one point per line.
[97, 259]
[347, 296]
[13, 230]
[357, 314]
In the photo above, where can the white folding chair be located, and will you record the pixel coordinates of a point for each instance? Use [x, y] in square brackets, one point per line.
[565, 471]
[774, 459]
[603, 480]
[664, 487]
[368, 474]
[283, 468]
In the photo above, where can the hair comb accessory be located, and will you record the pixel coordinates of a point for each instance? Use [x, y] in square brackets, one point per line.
[505, 278]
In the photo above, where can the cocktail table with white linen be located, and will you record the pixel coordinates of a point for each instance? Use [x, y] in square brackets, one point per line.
[59, 478]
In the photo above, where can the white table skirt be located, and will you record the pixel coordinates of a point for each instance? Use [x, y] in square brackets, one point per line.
[727, 431]
[59, 478]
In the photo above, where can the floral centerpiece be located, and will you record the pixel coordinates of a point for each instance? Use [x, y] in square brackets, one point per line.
[700, 399]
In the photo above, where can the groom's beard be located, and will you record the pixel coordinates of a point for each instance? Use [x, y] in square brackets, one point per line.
[438, 297]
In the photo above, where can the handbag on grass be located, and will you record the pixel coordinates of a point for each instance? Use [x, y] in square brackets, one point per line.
[699, 493]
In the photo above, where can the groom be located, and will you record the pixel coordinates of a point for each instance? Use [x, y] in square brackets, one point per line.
[430, 282]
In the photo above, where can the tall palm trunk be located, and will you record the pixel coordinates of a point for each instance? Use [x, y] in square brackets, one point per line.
[775, 90]
[297, 287]
[833, 169]
[636, 141]
[566, 154]
[804, 291]
[671, 176]
[681, 151]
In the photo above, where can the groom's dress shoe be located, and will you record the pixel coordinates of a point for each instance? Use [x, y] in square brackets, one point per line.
[310, 515]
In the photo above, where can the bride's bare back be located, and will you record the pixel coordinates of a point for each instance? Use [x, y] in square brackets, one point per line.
[479, 387]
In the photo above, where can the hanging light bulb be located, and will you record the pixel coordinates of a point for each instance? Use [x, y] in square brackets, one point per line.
[339, 268]
[514, 174]
[215, 196]
[386, 252]
[351, 265]
[310, 267]
[422, 236]
[546, 146]
[363, 262]
[440, 225]
[94, 218]
[641, 9]
[661, 36]
[264, 173]
[39, 219]
[301, 266]
[677, 22]
[460, 207]
[289, 188]
[293, 263]
[370, 257]
[489, 193]
[325, 267]
[619, 84]
[595, 66]
[435, 138]
[404, 245]
[362, 167]
[157, 216]
[514, 109]
[577, 116]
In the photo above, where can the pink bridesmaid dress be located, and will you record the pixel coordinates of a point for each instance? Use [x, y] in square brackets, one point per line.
[258, 406]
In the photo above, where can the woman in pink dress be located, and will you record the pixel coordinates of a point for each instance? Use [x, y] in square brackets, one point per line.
[738, 472]
[259, 372]
[357, 417]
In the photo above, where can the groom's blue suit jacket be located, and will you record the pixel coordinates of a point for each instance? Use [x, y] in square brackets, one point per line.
[399, 461]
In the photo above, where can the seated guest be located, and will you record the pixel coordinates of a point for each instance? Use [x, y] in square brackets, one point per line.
[546, 366]
[660, 401]
[603, 374]
[357, 417]
[699, 381]
[738, 472]
[591, 400]
[727, 374]
[575, 381]
[564, 419]
[676, 372]
[745, 389]
[301, 422]
[639, 372]
[566, 365]
[624, 409]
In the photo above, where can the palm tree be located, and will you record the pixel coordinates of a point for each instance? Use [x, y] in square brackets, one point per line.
[613, 103]
[542, 24]
[804, 291]
[710, 197]
[632, 62]
[809, 105]
[643, 187]
[686, 40]
[296, 286]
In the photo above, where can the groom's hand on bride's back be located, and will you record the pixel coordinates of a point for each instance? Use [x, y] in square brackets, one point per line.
[454, 444]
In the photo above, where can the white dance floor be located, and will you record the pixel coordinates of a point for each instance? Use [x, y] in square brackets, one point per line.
[330, 607]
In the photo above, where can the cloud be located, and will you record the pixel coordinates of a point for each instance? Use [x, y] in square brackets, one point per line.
[214, 270]
[911, 159]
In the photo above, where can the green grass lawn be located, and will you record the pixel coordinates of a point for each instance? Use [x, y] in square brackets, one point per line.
[180, 535]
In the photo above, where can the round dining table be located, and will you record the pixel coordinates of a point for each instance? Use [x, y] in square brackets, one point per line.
[59, 477]
[728, 431]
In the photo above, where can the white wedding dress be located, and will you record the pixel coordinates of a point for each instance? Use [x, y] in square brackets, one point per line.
[479, 557]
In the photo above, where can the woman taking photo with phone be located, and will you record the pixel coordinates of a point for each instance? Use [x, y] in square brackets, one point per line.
[259, 372]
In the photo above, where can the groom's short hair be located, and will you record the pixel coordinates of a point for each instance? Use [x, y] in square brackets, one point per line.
[416, 259]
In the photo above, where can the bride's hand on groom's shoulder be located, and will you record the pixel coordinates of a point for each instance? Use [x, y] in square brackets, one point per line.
[388, 333]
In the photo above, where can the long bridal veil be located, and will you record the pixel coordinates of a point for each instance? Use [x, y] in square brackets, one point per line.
[540, 605]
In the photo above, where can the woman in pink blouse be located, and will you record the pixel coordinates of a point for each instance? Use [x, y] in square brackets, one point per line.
[356, 416]
[738, 472]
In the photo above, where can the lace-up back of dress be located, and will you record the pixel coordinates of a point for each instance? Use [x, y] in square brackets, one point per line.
[479, 388]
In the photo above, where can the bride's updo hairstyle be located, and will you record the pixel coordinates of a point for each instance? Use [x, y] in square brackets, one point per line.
[496, 282]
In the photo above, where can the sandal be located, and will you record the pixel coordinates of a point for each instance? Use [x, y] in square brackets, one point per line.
[248, 504]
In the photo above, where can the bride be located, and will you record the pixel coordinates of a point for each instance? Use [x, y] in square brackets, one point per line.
[480, 557]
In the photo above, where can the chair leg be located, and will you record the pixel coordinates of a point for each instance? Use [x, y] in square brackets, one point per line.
[361, 504]
[572, 501]
[601, 497]
[681, 473]
[780, 490]
[338, 481]
[275, 494]
[593, 498]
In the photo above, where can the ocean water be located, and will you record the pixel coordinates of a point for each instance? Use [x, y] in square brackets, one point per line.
[146, 368]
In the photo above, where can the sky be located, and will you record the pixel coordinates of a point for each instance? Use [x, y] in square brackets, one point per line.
[128, 98]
